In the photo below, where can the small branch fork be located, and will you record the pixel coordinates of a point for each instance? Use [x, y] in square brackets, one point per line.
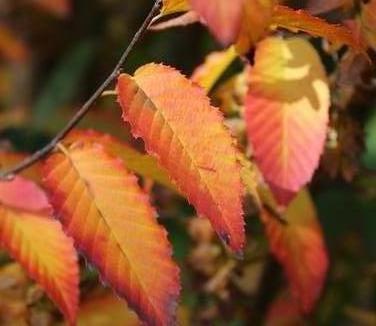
[38, 155]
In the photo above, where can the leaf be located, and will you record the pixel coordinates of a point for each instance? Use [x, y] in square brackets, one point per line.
[207, 74]
[141, 164]
[300, 20]
[60, 8]
[368, 22]
[174, 6]
[300, 248]
[10, 46]
[185, 19]
[21, 194]
[38, 243]
[317, 7]
[10, 159]
[105, 309]
[256, 19]
[287, 112]
[110, 219]
[284, 310]
[223, 17]
[188, 137]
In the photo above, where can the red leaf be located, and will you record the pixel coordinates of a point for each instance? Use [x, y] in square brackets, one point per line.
[188, 137]
[287, 112]
[38, 243]
[23, 195]
[300, 248]
[110, 219]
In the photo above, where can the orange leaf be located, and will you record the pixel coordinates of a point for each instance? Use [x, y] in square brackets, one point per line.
[287, 112]
[223, 17]
[300, 20]
[105, 309]
[9, 159]
[102, 207]
[256, 19]
[141, 164]
[300, 248]
[38, 243]
[10, 46]
[368, 22]
[174, 6]
[188, 137]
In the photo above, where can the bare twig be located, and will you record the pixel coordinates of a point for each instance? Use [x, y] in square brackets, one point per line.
[9, 174]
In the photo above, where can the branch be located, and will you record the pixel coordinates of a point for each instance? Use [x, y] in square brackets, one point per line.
[38, 155]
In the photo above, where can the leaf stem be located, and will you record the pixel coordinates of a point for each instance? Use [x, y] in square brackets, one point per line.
[38, 155]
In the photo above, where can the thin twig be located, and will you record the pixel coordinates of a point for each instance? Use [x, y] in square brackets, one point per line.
[9, 174]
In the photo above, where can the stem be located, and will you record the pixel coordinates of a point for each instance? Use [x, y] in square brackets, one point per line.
[9, 174]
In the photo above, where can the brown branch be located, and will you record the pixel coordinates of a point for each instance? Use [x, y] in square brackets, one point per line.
[38, 155]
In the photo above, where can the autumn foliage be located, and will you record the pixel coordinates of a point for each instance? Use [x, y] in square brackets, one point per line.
[93, 195]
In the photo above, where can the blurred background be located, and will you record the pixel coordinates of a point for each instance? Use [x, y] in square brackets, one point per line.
[54, 53]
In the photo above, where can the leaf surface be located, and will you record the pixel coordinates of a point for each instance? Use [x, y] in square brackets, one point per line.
[300, 248]
[256, 19]
[10, 159]
[300, 20]
[184, 19]
[174, 6]
[287, 112]
[223, 17]
[105, 309]
[141, 164]
[38, 243]
[207, 74]
[368, 22]
[188, 137]
[11, 47]
[110, 219]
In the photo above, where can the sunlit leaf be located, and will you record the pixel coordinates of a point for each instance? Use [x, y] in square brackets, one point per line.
[141, 164]
[111, 221]
[174, 6]
[187, 135]
[301, 21]
[207, 74]
[300, 248]
[287, 112]
[38, 243]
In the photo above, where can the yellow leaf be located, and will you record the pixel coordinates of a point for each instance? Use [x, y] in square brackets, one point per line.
[207, 74]
[174, 6]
